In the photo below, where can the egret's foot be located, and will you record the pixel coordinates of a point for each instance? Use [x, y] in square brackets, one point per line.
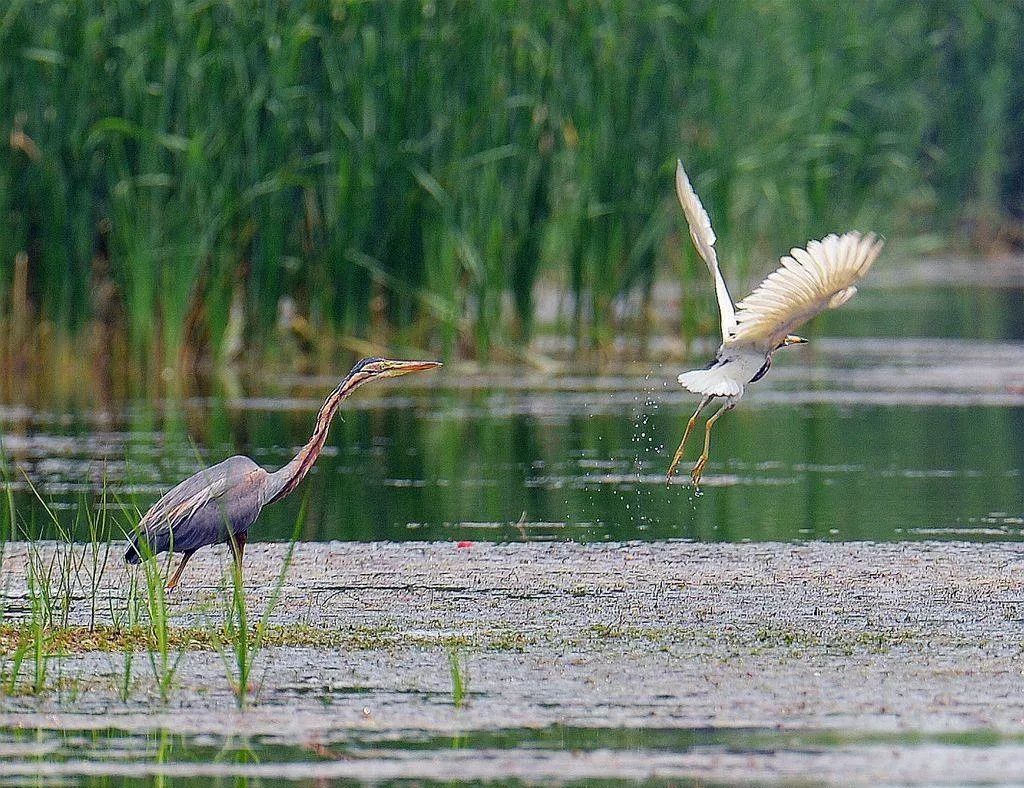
[698, 470]
[678, 455]
[682, 444]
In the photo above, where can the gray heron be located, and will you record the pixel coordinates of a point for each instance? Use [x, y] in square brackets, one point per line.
[810, 280]
[220, 503]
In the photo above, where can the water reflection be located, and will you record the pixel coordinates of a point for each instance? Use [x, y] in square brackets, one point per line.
[108, 756]
[879, 435]
[442, 465]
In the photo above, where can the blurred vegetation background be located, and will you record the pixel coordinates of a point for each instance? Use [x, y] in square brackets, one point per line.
[211, 181]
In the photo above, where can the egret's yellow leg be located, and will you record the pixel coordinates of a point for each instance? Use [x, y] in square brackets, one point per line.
[173, 582]
[689, 428]
[698, 469]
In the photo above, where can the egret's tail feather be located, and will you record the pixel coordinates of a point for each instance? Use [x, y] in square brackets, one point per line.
[711, 382]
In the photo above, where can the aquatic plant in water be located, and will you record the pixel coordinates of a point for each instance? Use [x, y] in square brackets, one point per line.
[222, 182]
[244, 640]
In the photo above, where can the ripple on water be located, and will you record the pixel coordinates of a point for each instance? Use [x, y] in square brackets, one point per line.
[552, 752]
[871, 437]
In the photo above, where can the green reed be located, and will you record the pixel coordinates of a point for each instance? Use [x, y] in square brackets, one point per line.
[54, 581]
[62, 575]
[49, 594]
[163, 660]
[64, 586]
[410, 172]
[459, 678]
[245, 639]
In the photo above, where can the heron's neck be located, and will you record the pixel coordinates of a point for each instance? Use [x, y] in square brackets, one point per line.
[286, 479]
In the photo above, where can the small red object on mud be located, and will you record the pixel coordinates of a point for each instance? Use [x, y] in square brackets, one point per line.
[464, 543]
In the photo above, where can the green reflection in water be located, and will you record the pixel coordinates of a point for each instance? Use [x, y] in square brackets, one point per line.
[114, 757]
[440, 470]
[586, 462]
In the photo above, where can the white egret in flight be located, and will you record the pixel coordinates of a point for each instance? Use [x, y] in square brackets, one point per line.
[809, 281]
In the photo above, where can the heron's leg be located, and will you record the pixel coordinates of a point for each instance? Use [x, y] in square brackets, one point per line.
[689, 428]
[698, 469]
[173, 582]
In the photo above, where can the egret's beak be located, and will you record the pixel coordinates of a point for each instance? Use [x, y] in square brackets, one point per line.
[396, 368]
[793, 339]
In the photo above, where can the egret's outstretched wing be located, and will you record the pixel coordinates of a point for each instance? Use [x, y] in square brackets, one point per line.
[704, 239]
[810, 280]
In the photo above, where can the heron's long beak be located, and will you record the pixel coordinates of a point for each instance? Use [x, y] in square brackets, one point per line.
[397, 368]
[793, 339]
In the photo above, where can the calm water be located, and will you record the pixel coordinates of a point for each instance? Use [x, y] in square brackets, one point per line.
[103, 757]
[903, 420]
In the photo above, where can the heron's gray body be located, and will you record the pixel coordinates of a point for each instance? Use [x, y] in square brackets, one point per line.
[217, 503]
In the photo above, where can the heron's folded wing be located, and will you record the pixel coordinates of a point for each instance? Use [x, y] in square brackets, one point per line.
[185, 499]
[809, 281]
[178, 506]
[704, 240]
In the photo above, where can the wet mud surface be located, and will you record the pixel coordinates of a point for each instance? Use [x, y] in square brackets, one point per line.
[768, 661]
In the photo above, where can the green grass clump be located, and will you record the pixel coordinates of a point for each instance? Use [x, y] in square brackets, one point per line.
[457, 671]
[410, 171]
[242, 641]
